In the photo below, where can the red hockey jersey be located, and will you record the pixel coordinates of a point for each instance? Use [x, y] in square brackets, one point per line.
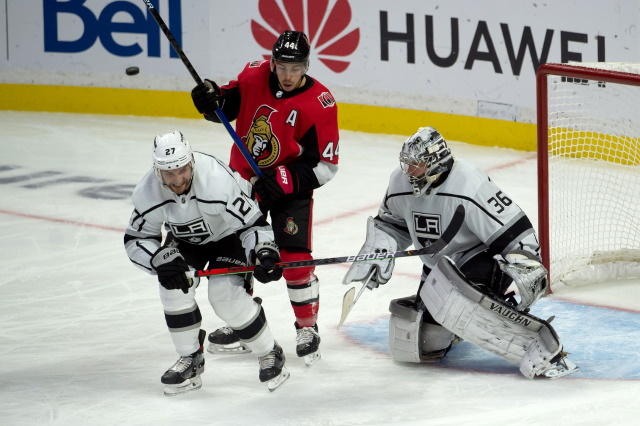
[298, 129]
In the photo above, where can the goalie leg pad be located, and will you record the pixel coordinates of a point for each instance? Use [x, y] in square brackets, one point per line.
[464, 309]
[404, 330]
[413, 340]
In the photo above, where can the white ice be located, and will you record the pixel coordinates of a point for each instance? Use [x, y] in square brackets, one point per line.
[83, 339]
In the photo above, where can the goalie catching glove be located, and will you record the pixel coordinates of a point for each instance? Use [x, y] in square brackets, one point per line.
[377, 241]
[529, 275]
[205, 97]
[265, 256]
[171, 268]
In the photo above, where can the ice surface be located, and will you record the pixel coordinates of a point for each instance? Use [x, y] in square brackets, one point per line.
[83, 339]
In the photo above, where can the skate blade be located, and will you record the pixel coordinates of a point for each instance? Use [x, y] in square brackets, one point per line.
[561, 371]
[275, 383]
[432, 357]
[188, 385]
[231, 349]
[311, 359]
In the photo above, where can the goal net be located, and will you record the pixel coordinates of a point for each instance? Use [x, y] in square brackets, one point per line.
[589, 171]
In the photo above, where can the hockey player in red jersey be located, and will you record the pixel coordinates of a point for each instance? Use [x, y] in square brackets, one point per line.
[289, 124]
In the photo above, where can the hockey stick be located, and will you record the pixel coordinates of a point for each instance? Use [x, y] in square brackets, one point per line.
[176, 46]
[445, 239]
[348, 301]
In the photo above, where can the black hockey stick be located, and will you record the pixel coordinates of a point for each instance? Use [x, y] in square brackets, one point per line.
[176, 46]
[456, 222]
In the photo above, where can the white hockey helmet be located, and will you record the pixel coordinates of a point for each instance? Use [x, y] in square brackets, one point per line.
[425, 149]
[171, 151]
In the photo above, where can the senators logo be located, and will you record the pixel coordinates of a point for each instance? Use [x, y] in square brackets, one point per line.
[261, 142]
[291, 227]
[325, 25]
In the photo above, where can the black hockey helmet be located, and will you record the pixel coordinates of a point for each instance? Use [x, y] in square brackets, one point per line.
[292, 46]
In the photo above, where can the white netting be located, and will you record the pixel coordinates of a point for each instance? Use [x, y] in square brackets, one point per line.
[594, 178]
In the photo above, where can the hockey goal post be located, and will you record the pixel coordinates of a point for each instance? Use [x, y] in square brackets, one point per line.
[588, 118]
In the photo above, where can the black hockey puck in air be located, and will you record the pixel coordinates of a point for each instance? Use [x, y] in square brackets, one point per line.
[132, 70]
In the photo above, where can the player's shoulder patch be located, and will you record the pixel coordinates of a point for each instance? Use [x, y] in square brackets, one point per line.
[326, 99]
[256, 64]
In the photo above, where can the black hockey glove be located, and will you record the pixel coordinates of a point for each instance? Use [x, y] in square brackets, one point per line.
[171, 266]
[265, 256]
[205, 97]
[274, 184]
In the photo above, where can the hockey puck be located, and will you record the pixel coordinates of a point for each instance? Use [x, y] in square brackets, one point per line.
[132, 70]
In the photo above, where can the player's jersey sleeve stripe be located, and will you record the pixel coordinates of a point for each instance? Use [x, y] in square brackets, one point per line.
[211, 201]
[472, 201]
[390, 196]
[129, 236]
[512, 235]
[240, 219]
[157, 206]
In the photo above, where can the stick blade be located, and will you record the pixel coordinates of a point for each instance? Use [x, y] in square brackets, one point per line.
[347, 304]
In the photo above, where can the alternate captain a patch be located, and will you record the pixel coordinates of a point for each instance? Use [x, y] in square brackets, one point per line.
[428, 227]
[291, 227]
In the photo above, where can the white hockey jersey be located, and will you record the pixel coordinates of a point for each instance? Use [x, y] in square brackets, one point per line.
[493, 221]
[218, 204]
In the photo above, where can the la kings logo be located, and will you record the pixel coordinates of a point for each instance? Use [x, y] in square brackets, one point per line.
[194, 232]
[427, 227]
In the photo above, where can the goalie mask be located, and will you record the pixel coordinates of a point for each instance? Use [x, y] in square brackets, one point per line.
[171, 151]
[424, 157]
[292, 46]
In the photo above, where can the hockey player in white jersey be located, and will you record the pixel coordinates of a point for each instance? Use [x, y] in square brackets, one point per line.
[210, 219]
[489, 244]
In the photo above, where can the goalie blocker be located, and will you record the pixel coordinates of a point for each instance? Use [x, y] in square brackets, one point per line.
[473, 314]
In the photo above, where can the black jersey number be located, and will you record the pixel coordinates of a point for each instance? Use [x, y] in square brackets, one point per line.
[500, 201]
[243, 206]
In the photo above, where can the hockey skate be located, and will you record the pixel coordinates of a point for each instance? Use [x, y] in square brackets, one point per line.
[224, 341]
[184, 375]
[561, 366]
[308, 343]
[436, 356]
[272, 368]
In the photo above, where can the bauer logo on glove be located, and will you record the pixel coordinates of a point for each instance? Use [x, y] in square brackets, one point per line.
[382, 263]
[171, 267]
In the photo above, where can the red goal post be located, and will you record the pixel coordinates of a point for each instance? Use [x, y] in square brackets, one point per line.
[588, 118]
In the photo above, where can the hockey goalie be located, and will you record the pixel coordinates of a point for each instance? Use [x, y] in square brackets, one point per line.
[465, 292]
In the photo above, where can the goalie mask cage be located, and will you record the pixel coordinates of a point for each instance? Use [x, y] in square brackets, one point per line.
[589, 171]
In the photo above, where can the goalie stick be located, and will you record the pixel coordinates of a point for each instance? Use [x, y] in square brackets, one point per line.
[445, 239]
[348, 300]
[176, 46]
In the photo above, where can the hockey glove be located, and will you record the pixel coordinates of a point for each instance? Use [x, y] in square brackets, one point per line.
[171, 268]
[273, 185]
[205, 97]
[529, 275]
[378, 242]
[265, 256]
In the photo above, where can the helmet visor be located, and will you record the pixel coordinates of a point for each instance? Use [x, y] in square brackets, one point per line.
[414, 167]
